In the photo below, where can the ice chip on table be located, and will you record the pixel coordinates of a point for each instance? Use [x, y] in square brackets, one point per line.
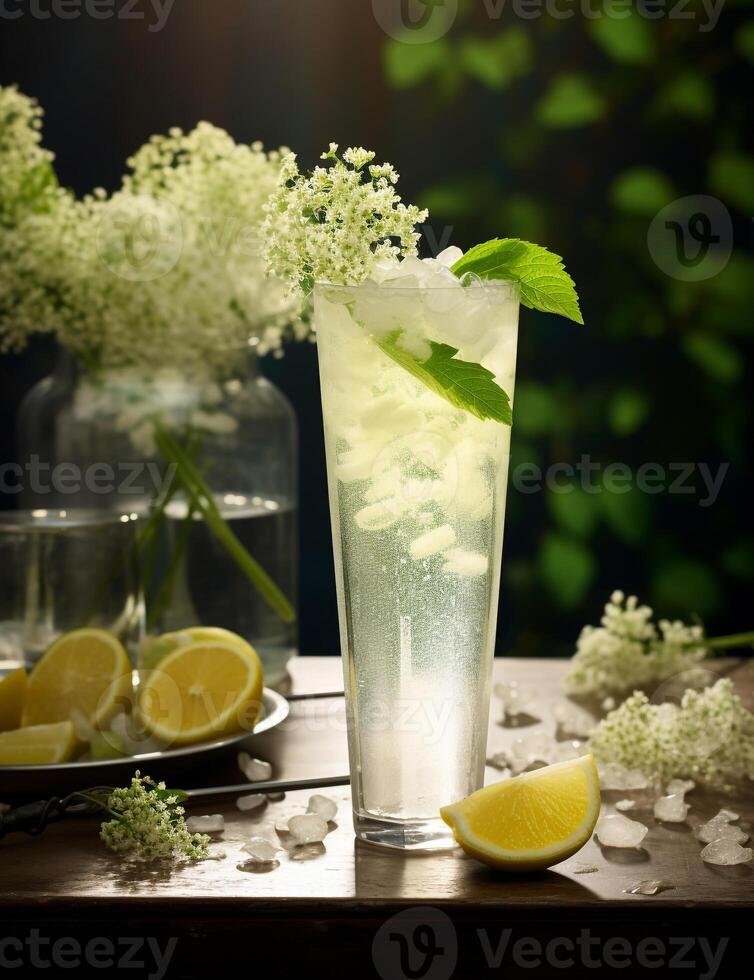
[614, 776]
[261, 850]
[255, 770]
[624, 805]
[530, 749]
[726, 852]
[217, 855]
[721, 827]
[307, 828]
[671, 809]
[652, 886]
[433, 542]
[458, 561]
[585, 869]
[517, 699]
[276, 797]
[323, 806]
[615, 830]
[251, 802]
[210, 823]
[281, 825]
[499, 760]
[573, 720]
[680, 787]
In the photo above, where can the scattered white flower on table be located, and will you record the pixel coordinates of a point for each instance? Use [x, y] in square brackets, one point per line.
[337, 223]
[628, 651]
[307, 828]
[255, 770]
[726, 852]
[209, 823]
[148, 822]
[615, 830]
[708, 738]
[671, 809]
[251, 802]
[323, 805]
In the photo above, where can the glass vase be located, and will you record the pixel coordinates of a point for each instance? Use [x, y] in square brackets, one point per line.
[417, 501]
[123, 440]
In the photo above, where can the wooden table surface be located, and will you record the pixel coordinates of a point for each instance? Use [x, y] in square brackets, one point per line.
[68, 874]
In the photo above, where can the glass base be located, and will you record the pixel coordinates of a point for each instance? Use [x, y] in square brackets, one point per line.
[416, 836]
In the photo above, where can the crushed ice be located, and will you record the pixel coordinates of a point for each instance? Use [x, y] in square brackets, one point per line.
[726, 852]
[615, 830]
[649, 887]
[210, 823]
[671, 809]
[255, 770]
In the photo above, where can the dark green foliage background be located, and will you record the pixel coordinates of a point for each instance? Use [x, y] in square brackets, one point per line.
[574, 134]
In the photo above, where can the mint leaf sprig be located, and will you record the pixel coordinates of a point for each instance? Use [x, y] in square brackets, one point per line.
[545, 284]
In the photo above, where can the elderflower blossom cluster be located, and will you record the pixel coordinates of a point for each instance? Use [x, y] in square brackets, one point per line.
[629, 651]
[167, 270]
[708, 738]
[149, 824]
[336, 223]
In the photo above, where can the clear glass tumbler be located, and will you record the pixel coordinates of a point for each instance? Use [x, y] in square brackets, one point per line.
[417, 499]
[62, 570]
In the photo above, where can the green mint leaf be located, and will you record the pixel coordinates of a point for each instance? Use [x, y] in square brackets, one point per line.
[464, 384]
[545, 284]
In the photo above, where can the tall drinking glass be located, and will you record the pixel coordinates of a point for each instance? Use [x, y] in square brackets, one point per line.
[417, 501]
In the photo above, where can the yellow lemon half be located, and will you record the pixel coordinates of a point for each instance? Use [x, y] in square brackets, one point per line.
[38, 745]
[12, 698]
[156, 648]
[85, 671]
[530, 822]
[202, 691]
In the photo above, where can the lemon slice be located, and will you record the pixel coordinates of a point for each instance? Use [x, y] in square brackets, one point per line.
[85, 671]
[38, 745]
[531, 822]
[200, 691]
[12, 697]
[156, 648]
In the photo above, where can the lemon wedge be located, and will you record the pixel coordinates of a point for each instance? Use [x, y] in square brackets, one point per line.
[38, 745]
[12, 697]
[530, 822]
[201, 691]
[85, 671]
[156, 648]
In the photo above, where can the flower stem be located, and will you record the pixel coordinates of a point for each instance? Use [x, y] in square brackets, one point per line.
[200, 496]
[730, 642]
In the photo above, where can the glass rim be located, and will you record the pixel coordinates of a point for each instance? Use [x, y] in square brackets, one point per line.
[42, 520]
[488, 284]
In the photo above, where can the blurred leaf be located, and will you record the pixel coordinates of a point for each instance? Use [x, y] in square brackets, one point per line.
[574, 511]
[642, 190]
[457, 199]
[571, 101]
[714, 356]
[627, 40]
[628, 515]
[409, 64]
[732, 297]
[627, 411]
[567, 569]
[536, 411]
[689, 94]
[524, 217]
[745, 40]
[738, 559]
[683, 587]
[496, 61]
[732, 178]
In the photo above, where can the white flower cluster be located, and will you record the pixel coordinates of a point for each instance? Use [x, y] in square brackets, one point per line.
[709, 738]
[166, 270]
[149, 824]
[334, 224]
[629, 651]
